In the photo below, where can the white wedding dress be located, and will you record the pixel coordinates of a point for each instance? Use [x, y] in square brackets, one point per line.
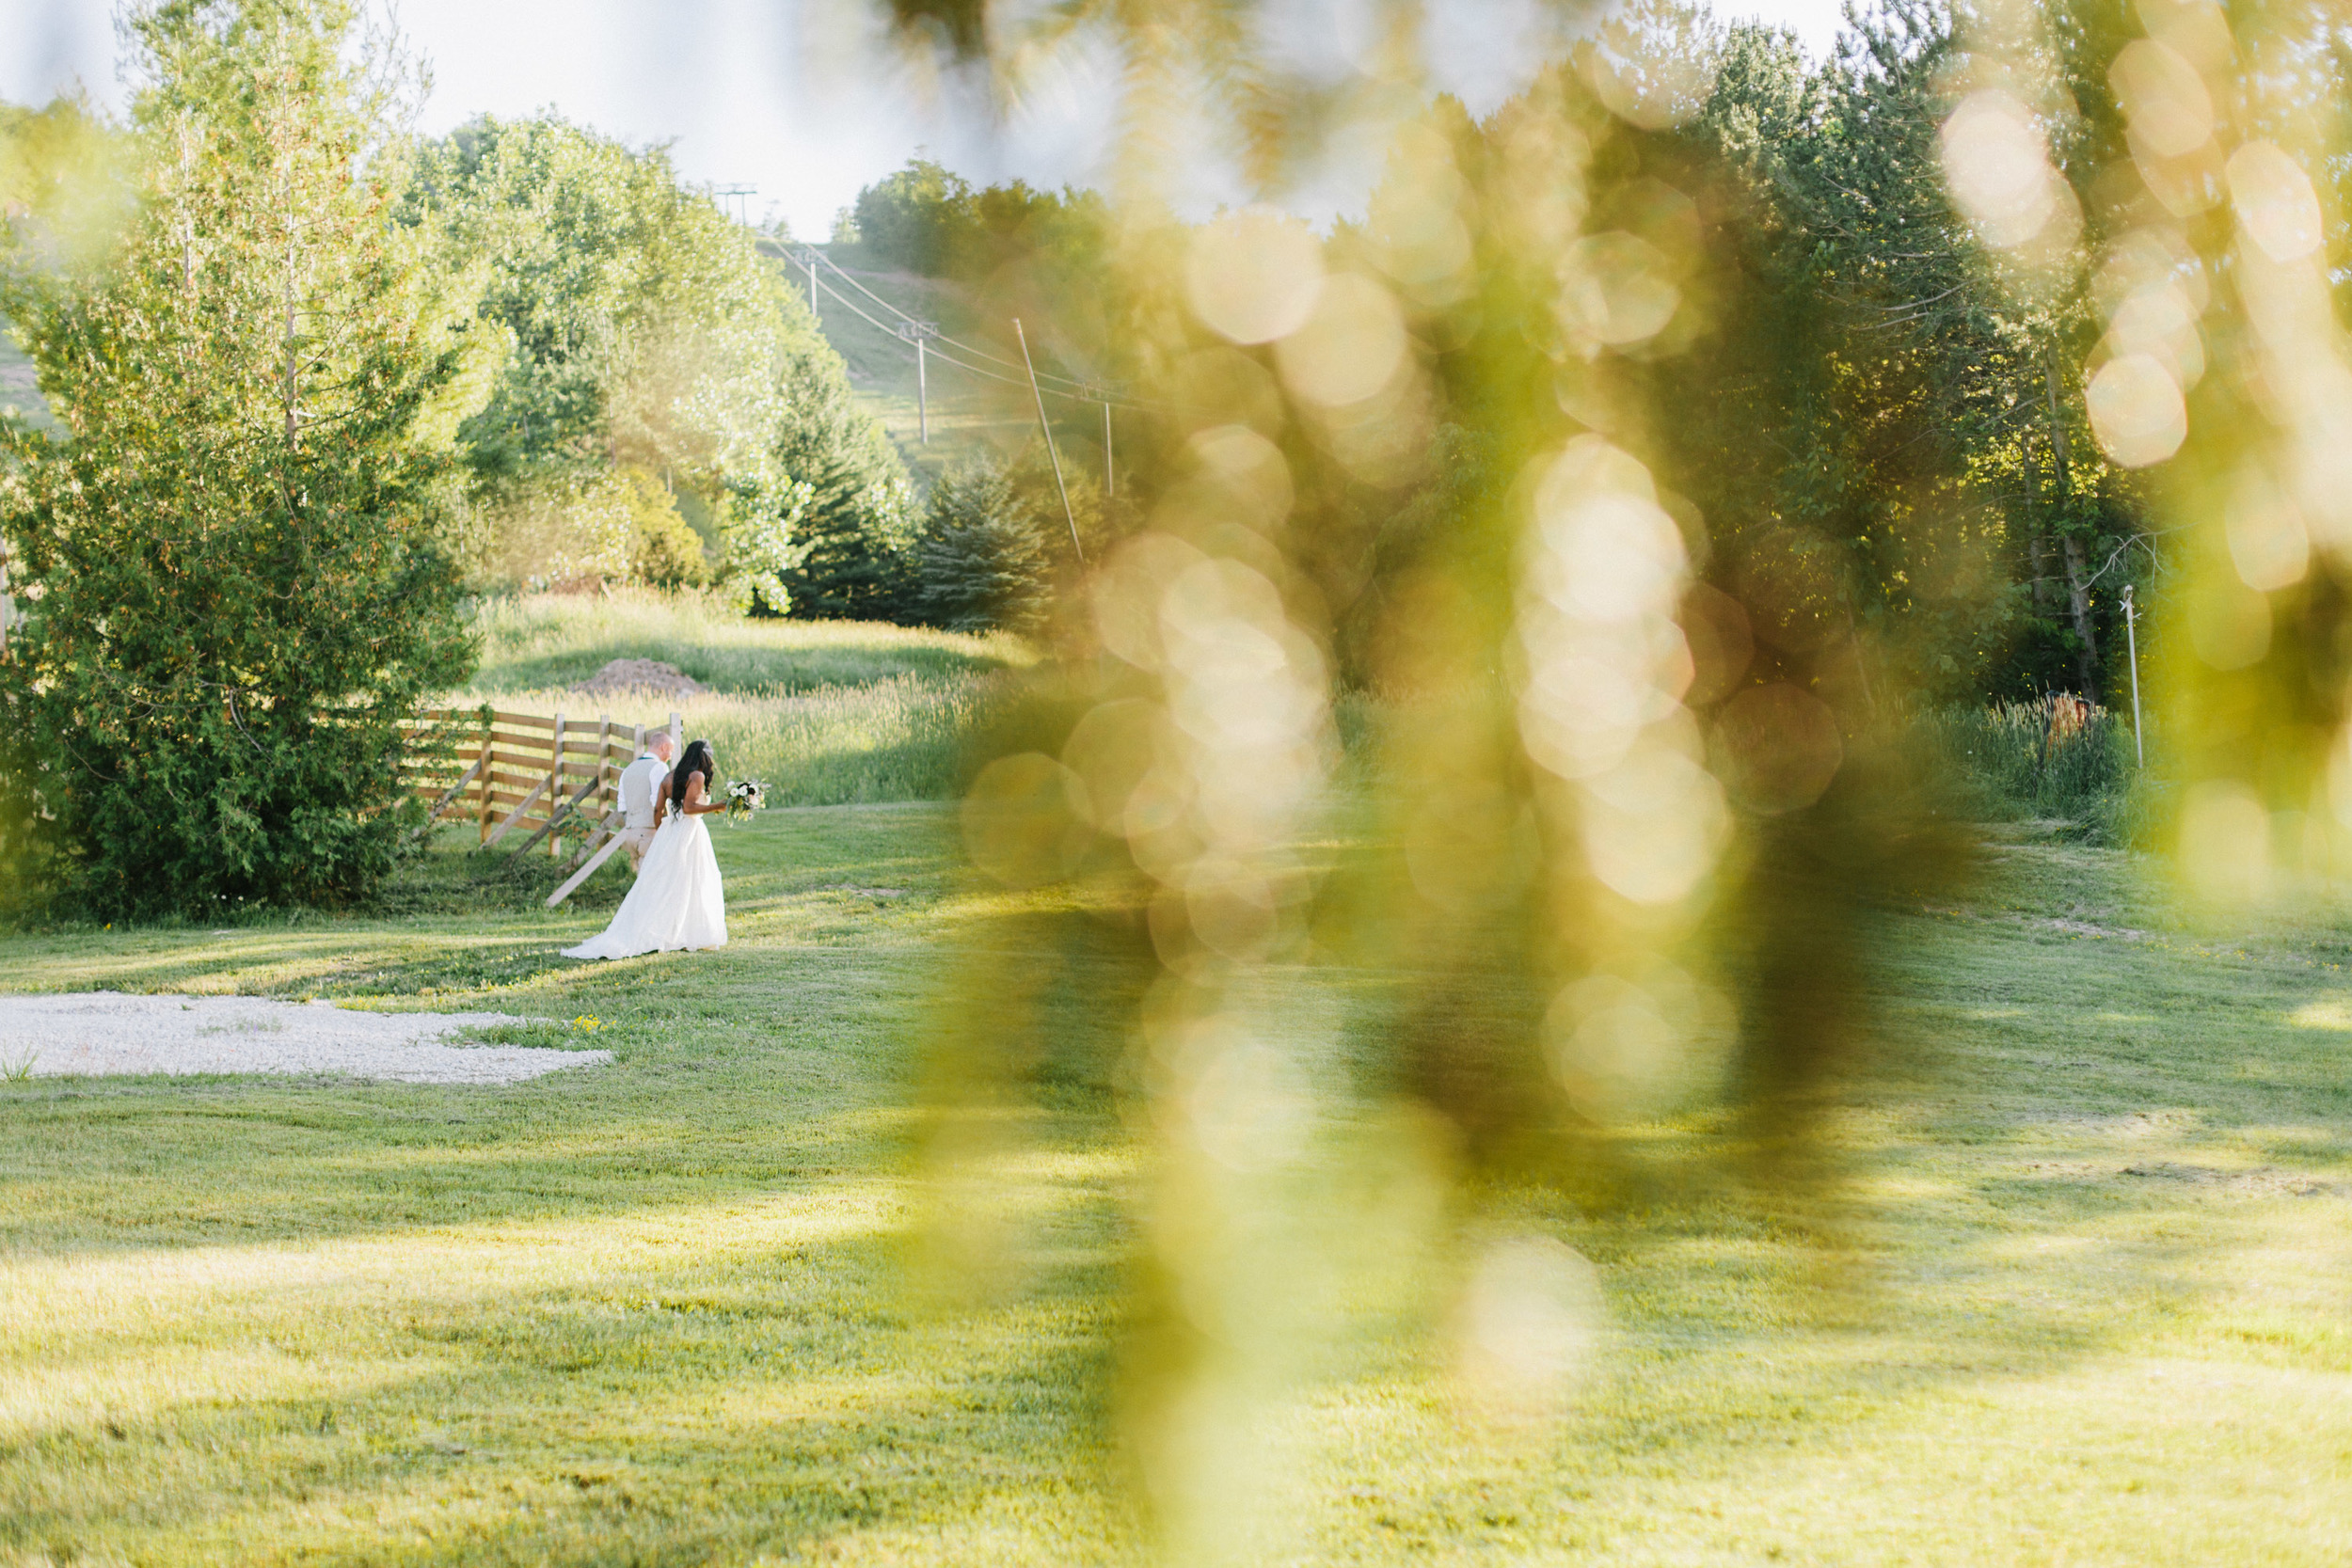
[677, 901]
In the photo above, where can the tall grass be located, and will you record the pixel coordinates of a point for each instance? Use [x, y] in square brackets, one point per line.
[2011, 762]
[894, 739]
[544, 643]
[826, 712]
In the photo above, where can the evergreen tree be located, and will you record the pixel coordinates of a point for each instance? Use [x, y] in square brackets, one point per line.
[836, 488]
[240, 594]
[979, 562]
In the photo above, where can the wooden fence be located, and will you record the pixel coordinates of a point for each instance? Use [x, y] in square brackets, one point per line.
[552, 781]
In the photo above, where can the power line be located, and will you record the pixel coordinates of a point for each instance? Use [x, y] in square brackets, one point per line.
[1082, 390]
[723, 194]
[975, 353]
[885, 328]
[945, 358]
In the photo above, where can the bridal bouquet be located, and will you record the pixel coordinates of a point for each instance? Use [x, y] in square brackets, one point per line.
[744, 796]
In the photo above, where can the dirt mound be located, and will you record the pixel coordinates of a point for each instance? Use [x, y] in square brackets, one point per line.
[640, 674]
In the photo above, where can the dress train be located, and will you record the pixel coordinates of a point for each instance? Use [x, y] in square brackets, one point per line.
[677, 902]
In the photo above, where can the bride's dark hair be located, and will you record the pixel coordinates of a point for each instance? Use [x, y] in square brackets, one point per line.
[695, 759]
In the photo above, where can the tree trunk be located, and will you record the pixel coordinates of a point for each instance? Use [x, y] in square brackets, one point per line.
[2071, 545]
[294, 428]
[2079, 602]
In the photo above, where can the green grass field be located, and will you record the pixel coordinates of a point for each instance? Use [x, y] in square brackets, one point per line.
[2082, 1297]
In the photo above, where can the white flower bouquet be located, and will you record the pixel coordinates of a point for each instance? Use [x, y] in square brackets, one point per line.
[744, 796]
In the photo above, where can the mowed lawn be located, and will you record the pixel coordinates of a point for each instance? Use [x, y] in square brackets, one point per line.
[2084, 1295]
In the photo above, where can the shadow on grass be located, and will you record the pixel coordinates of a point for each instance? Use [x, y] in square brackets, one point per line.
[701, 1406]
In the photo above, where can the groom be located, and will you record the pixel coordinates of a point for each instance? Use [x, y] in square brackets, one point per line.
[640, 782]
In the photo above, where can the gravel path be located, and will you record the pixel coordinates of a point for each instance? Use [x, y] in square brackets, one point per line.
[104, 1033]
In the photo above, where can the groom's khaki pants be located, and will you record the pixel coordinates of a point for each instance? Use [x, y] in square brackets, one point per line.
[634, 843]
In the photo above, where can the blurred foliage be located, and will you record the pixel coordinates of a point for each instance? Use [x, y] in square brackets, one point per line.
[237, 588]
[1654, 447]
[66, 184]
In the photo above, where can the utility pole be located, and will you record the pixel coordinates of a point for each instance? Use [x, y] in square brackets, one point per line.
[808, 257]
[731, 193]
[2131, 639]
[1102, 393]
[1072, 517]
[919, 333]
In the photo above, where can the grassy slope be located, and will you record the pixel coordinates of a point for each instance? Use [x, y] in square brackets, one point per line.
[2086, 1303]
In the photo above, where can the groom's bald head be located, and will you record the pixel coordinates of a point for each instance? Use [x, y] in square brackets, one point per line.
[662, 744]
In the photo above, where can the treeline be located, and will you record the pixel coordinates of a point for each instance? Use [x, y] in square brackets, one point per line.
[1908, 367]
[665, 410]
[648, 400]
[927, 218]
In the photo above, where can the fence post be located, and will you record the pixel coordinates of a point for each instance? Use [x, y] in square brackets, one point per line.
[2131, 639]
[555, 780]
[603, 760]
[489, 765]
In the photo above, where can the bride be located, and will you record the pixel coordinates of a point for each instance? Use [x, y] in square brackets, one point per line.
[677, 901]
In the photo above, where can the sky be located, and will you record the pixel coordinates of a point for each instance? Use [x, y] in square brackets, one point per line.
[807, 100]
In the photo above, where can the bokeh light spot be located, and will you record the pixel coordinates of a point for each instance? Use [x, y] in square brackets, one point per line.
[2000, 169]
[1253, 275]
[2136, 410]
[1348, 348]
[2274, 201]
[2166, 101]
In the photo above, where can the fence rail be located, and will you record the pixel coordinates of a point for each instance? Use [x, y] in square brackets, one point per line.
[551, 780]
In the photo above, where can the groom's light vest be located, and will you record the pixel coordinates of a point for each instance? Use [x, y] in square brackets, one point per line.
[640, 781]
